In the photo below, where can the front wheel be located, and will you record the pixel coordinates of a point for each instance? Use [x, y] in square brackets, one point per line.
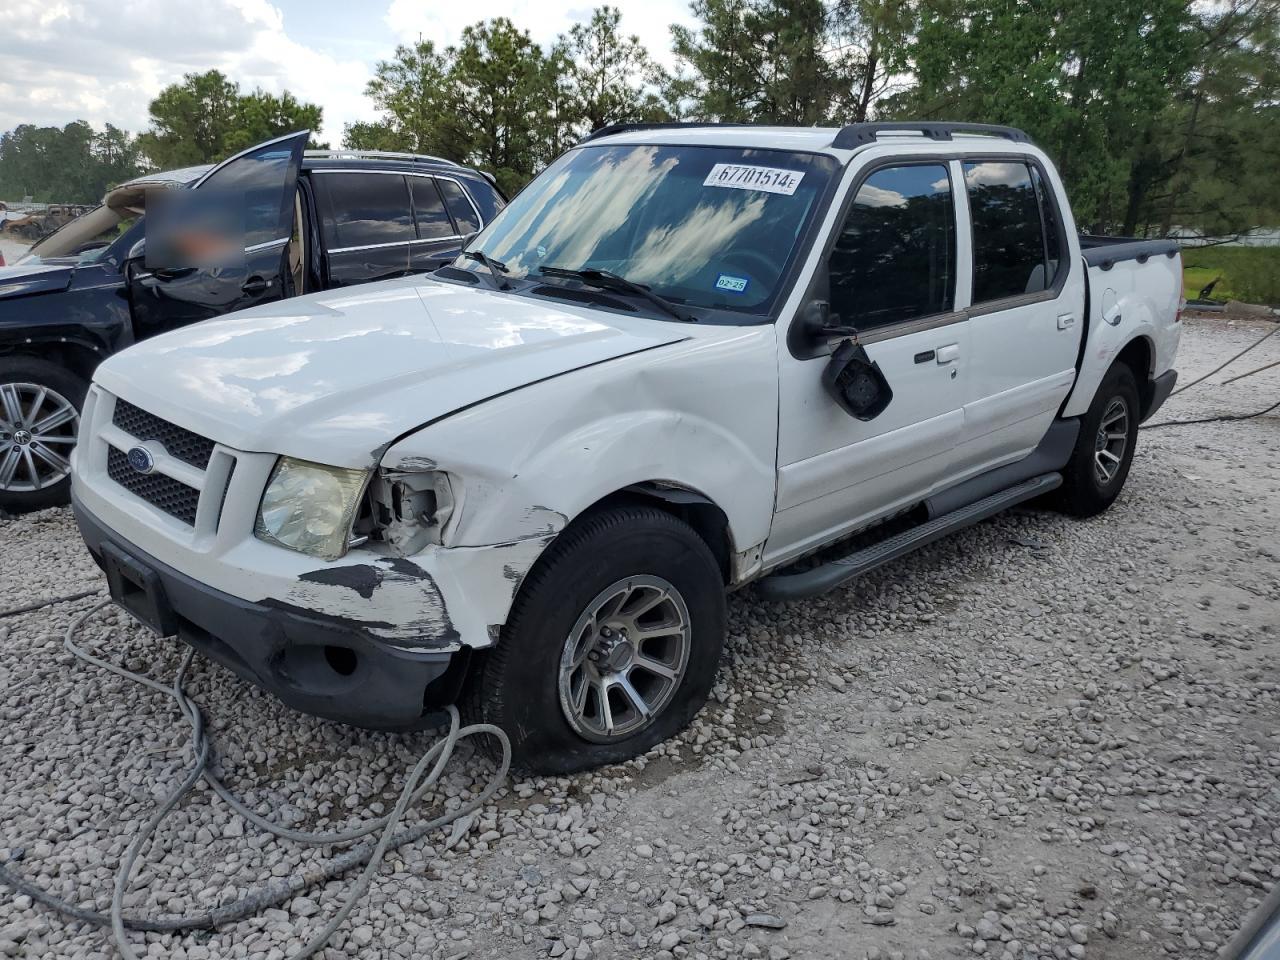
[611, 646]
[1096, 472]
[40, 406]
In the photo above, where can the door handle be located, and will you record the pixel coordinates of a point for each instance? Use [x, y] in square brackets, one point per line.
[1066, 321]
[255, 285]
[948, 354]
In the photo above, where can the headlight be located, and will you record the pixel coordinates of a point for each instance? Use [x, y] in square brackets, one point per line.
[309, 507]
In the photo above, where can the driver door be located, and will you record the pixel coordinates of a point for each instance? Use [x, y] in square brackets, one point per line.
[266, 176]
[891, 271]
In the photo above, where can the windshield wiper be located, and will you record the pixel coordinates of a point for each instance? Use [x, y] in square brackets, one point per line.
[607, 280]
[497, 268]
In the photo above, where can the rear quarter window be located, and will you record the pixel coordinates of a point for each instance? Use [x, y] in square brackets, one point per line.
[459, 204]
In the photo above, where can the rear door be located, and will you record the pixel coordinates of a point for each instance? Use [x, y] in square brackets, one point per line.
[439, 236]
[1026, 311]
[264, 178]
[892, 270]
[366, 224]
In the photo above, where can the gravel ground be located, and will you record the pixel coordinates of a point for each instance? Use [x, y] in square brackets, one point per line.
[1040, 738]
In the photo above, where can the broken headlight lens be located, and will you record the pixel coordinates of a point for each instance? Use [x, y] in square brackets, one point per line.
[309, 507]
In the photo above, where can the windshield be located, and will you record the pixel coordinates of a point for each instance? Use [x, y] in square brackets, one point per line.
[711, 227]
[85, 239]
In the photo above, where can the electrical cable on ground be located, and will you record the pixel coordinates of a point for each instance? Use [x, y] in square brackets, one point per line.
[41, 604]
[1260, 340]
[369, 854]
[1225, 417]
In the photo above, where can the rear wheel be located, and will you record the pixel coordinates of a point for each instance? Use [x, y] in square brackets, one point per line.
[40, 406]
[1099, 465]
[611, 646]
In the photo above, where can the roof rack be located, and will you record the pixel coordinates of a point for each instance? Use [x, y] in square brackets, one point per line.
[376, 155]
[613, 128]
[859, 134]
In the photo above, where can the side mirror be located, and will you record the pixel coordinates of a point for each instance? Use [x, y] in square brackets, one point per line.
[819, 323]
[856, 382]
[138, 251]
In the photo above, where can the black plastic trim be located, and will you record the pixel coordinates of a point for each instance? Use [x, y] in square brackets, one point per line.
[283, 649]
[1051, 454]
[860, 134]
[1106, 252]
[1161, 387]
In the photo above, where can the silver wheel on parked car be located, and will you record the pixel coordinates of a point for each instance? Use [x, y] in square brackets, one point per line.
[624, 658]
[1111, 441]
[37, 431]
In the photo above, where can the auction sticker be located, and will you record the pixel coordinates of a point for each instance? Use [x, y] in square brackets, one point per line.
[739, 176]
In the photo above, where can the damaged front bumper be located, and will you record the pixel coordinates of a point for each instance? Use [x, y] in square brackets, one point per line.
[320, 665]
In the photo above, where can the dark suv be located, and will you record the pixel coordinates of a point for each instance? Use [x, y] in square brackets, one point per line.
[313, 220]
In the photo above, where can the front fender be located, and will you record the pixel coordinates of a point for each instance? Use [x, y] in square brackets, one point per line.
[701, 414]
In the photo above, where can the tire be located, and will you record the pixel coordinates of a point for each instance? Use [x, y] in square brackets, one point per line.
[35, 389]
[1086, 491]
[528, 684]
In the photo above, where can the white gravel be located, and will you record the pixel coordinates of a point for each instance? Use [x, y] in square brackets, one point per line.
[1040, 738]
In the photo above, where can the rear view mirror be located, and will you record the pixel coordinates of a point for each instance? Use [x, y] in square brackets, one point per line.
[855, 382]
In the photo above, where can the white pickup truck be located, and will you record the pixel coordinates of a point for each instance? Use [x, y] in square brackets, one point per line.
[681, 360]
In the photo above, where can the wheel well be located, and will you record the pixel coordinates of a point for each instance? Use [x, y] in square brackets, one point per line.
[1137, 356]
[708, 521]
[75, 357]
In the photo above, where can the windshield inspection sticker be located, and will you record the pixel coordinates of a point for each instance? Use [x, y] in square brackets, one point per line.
[732, 284]
[738, 176]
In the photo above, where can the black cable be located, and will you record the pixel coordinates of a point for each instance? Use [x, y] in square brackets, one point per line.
[41, 604]
[1228, 417]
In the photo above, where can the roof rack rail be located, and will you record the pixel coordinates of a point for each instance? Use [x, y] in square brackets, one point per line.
[858, 134]
[611, 129]
[376, 155]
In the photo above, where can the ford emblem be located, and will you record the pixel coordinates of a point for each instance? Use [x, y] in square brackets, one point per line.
[141, 460]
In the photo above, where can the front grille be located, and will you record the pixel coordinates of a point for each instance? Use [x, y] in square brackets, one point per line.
[172, 496]
[179, 442]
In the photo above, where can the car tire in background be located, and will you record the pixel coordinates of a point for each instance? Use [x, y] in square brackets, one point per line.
[1099, 464]
[611, 646]
[40, 405]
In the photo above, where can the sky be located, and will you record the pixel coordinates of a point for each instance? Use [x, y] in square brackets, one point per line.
[104, 60]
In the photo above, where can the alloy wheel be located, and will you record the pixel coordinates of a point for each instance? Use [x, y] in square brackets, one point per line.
[1112, 440]
[37, 431]
[624, 659]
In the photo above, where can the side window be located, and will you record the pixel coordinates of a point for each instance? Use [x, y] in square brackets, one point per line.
[264, 178]
[428, 209]
[365, 209]
[1052, 232]
[464, 214]
[1009, 255]
[895, 257]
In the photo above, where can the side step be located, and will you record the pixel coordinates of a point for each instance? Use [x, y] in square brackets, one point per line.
[811, 583]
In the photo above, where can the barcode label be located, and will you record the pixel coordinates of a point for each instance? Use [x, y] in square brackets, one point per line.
[739, 176]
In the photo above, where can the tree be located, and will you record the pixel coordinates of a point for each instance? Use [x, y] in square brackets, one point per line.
[612, 76]
[500, 86]
[206, 118]
[409, 89]
[787, 61]
[74, 164]
[1089, 79]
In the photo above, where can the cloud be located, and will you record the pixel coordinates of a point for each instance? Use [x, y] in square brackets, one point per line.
[104, 63]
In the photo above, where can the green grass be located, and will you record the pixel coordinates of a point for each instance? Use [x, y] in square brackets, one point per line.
[1251, 274]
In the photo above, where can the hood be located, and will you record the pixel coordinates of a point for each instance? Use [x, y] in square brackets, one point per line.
[336, 377]
[22, 279]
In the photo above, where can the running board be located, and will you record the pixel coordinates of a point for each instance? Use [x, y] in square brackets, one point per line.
[811, 583]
